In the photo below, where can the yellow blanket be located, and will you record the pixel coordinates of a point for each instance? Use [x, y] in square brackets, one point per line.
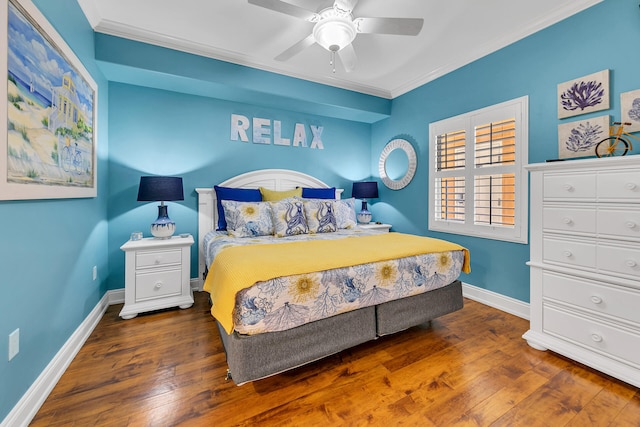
[240, 267]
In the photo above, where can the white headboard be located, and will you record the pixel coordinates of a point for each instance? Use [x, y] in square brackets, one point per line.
[273, 179]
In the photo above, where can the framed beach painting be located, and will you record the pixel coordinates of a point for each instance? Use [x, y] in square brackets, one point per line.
[579, 138]
[48, 145]
[630, 106]
[584, 95]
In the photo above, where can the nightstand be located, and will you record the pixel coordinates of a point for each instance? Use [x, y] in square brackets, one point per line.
[157, 274]
[383, 228]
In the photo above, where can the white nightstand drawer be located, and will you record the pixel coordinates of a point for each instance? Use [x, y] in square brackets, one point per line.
[599, 297]
[158, 258]
[569, 252]
[619, 185]
[619, 223]
[588, 332]
[569, 219]
[570, 186]
[158, 284]
[619, 260]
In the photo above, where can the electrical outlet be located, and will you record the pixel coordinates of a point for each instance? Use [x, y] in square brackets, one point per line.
[14, 343]
[95, 272]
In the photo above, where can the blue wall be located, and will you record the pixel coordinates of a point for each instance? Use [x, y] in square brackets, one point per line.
[160, 132]
[49, 247]
[156, 104]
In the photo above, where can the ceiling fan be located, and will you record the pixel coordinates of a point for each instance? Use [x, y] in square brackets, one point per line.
[335, 28]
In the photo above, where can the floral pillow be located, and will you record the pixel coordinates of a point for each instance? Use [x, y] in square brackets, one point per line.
[248, 219]
[321, 215]
[346, 213]
[289, 218]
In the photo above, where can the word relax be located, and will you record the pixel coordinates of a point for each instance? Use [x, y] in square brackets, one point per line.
[262, 132]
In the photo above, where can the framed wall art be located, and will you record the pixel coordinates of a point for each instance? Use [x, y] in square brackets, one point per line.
[630, 109]
[48, 145]
[579, 138]
[584, 95]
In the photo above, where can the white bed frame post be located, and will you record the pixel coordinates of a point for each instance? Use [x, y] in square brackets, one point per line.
[206, 221]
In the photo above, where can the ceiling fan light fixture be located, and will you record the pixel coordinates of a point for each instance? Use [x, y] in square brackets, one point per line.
[334, 32]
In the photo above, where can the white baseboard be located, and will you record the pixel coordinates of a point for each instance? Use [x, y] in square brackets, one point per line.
[28, 406]
[495, 300]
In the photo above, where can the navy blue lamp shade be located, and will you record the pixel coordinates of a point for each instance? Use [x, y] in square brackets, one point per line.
[365, 190]
[161, 189]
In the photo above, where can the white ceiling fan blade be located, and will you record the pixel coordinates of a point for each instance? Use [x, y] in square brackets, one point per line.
[346, 6]
[286, 8]
[296, 48]
[348, 57]
[399, 26]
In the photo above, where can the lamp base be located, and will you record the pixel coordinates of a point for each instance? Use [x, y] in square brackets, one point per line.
[364, 216]
[163, 227]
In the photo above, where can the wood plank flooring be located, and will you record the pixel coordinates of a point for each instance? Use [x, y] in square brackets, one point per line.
[468, 368]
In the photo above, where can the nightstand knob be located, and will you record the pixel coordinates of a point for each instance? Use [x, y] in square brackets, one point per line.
[568, 187]
[567, 254]
[158, 260]
[596, 299]
[596, 337]
[158, 285]
[630, 186]
[630, 224]
[567, 220]
[631, 263]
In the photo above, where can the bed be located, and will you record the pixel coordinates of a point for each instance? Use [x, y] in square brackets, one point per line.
[342, 302]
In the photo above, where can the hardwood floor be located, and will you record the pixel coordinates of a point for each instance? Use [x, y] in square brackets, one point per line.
[469, 368]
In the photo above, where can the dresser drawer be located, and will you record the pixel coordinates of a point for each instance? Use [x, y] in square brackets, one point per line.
[569, 219]
[621, 223]
[156, 284]
[158, 258]
[569, 252]
[603, 298]
[569, 186]
[619, 260]
[589, 333]
[624, 186]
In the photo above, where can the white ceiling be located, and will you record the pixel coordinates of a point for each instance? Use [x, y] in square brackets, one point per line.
[455, 33]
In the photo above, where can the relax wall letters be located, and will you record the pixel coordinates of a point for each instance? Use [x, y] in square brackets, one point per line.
[262, 132]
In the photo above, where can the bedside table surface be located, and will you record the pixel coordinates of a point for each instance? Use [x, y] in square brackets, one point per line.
[152, 242]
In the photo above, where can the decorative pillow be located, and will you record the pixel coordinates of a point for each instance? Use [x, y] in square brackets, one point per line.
[319, 193]
[274, 196]
[288, 217]
[346, 213]
[237, 194]
[321, 216]
[248, 219]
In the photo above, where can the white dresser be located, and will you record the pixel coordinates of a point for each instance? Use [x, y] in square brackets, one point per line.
[585, 262]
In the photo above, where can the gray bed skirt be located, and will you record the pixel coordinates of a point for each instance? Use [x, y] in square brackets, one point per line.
[252, 357]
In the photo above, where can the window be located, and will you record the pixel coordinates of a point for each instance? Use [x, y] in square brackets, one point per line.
[476, 172]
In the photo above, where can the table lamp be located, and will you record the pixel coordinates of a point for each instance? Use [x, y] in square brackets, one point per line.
[365, 190]
[161, 189]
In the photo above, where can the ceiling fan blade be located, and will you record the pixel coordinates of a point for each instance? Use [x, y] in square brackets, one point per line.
[348, 57]
[399, 26]
[286, 8]
[346, 6]
[296, 48]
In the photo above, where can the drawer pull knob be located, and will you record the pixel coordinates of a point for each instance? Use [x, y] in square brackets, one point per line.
[596, 337]
[568, 187]
[630, 186]
[596, 299]
[631, 263]
[567, 254]
[158, 260]
[158, 285]
[567, 221]
[630, 224]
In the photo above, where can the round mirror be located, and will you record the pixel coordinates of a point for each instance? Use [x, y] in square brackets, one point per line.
[397, 164]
